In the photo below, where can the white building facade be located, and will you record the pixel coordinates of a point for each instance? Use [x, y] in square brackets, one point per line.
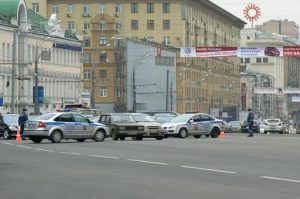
[25, 45]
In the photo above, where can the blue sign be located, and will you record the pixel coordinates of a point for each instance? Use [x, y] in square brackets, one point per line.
[67, 47]
[40, 94]
[1, 101]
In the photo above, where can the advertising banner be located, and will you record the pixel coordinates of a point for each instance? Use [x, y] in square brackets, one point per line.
[40, 94]
[216, 52]
[290, 90]
[247, 52]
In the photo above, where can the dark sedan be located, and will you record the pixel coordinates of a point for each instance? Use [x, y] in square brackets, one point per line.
[9, 126]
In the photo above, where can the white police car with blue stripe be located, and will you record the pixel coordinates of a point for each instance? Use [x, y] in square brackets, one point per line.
[194, 124]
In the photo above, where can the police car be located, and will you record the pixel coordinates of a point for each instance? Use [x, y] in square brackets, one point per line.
[194, 124]
[64, 125]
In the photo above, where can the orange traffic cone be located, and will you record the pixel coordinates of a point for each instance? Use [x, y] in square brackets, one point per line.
[222, 135]
[18, 137]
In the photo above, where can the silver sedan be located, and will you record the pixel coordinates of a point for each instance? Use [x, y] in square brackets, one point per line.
[58, 126]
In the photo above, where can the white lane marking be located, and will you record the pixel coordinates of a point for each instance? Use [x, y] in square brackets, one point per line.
[8, 143]
[206, 169]
[280, 179]
[69, 153]
[148, 162]
[38, 149]
[102, 156]
[22, 146]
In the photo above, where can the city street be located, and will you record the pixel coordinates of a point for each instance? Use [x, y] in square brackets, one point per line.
[234, 167]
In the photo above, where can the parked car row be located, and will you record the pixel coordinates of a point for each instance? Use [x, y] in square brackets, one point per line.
[267, 126]
[71, 125]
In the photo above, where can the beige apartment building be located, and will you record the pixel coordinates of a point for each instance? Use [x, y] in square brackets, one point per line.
[282, 27]
[175, 23]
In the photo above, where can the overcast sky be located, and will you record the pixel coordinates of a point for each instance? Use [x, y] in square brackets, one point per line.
[270, 9]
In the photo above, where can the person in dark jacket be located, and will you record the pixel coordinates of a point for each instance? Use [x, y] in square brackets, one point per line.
[250, 120]
[23, 117]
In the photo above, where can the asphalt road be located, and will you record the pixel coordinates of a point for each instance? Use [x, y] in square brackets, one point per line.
[235, 167]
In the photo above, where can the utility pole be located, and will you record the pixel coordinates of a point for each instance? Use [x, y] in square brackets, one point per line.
[134, 91]
[93, 86]
[167, 91]
[13, 73]
[36, 84]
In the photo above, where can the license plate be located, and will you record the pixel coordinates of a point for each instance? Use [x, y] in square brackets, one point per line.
[31, 125]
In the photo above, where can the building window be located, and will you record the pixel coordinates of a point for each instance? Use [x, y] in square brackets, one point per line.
[258, 60]
[102, 41]
[55, 8]
[36, 7]
[71, 25]
[242, 60]
[247, 60]
[166, 7]
[119, 25]
[103, 74]
[70, 8]
[103, 57]
[86, 42]
[86, 25]
[134, 24]
[150, 7]
[150, 24]
[86, 8]
[119, 8]
[87, 74]
[134, 7]
[103, 92]
[166, 24]
[102, 25]
[166, 40]
[265, 60]
[102, 8]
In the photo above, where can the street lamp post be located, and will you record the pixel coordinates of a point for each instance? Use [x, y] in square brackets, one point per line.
[36, 75]
[137, 62]
[199, 83]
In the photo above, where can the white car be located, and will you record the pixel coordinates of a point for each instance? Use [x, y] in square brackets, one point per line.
[194, 124]
[273, 125]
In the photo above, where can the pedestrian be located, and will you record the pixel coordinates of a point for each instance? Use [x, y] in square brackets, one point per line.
[23, 117]
[250, 120]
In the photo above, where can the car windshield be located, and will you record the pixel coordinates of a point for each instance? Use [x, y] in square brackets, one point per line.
[235, 123]
[11, 118]
[273, 121]
[181, 118]
[164, 118]
[122, 119]
[46, 116]
[143, 118]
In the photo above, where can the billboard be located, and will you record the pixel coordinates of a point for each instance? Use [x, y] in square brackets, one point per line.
[40, 94]
[266, 51]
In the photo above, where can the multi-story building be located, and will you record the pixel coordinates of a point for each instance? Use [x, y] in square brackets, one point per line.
[36, 53]
[282, 70]
[173, 23]
[282, 27]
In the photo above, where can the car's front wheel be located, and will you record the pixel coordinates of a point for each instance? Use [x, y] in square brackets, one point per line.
[114, 135]
[6, 134]
[99, 136]
[36, 139]
[183, 133]
[215, 132]
[56, 137]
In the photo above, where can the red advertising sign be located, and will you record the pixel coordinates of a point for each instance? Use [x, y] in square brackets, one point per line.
[291, 51]
[216, 51]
